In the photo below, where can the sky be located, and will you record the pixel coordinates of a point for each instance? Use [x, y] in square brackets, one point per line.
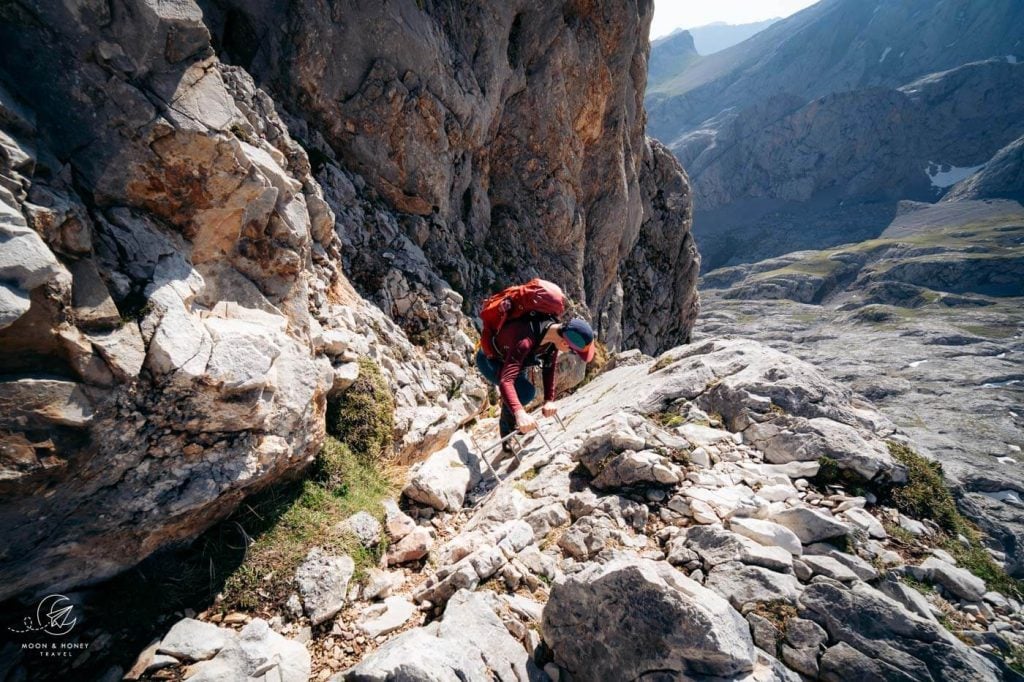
[672, 14]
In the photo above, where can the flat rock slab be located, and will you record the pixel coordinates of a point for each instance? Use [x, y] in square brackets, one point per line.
[830, 568]
[810, 525]
[959, 581]
[768, 533]
[742, 584]
[599, 624]
[384, 618]
[193, 639]
[254, 652]
[470, 642]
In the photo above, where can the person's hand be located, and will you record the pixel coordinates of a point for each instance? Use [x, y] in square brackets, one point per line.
[524, 422]
[549, 410]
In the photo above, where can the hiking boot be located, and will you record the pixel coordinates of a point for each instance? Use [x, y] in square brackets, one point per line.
[506, 452]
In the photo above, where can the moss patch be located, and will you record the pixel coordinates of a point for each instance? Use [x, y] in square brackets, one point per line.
[777, 611]
[668, 420]
[363, 417]
[662, 362]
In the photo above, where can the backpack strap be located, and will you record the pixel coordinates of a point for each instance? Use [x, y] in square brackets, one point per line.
[539, 324]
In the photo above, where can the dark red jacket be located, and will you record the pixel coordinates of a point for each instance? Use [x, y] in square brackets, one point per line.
[518, 344]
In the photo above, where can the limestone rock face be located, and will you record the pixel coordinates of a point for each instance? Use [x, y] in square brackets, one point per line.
[173, 310]
[549, 564]
[1001, 178]
[507, 136]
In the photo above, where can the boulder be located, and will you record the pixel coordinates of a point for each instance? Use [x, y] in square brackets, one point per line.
[768, 533]
[598, 623]
[958, 581]
[893, 639]
[829, 567]
[742, 584]
[365, 527]
[443, 479]
[810, 525]
[863, 519]
[717, 545]
[398, 523]
[194, 640]
[633, 468]
[381, 619]
[344, 376]
[256, 651]
[586, 537]
[380, 583]
[860, 568]
[469, 642]
[323, 580]
[412, 547]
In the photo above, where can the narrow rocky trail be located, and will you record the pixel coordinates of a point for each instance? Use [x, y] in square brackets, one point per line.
[680, 526]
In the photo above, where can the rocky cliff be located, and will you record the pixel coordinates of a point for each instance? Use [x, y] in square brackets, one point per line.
[210, 213]
[511, 135]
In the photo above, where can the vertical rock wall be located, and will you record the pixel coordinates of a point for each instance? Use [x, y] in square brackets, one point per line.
[510, 135]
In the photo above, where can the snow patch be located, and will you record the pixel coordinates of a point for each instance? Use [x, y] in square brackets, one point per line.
[944, 175]
[1006, 460]
[917, 363]
[1010, 496]
[885, 54]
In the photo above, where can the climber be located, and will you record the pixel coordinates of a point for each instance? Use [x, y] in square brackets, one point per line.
[524, 342]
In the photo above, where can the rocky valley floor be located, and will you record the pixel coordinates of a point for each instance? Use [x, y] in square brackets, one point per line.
[927, 322]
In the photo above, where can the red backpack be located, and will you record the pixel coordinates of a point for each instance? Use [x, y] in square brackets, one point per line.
[536, 296]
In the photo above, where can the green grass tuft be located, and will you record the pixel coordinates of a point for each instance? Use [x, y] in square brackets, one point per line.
[363, 417]
[925, 496]
[1015, 658]
[286, 522]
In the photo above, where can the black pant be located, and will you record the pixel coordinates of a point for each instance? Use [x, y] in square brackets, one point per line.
[525, 390]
